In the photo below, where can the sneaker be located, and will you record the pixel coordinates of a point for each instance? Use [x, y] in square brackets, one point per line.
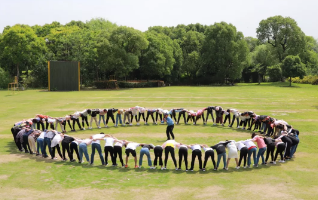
[193, 123]
[177, 169]
[79, 162]
[176, 122]
[164, 168]
[215, 169]
[123, 166]
[264, 163]
[138, 124]
[222, 124]
[37, 154]
[186, 170]
[90, 128]
[130, 124]
[255, 165]
[83, 129]
[204, 123]
[139, 167]
[229, 126]
[244, 167]
[145, 123]
[226, 169]
[73, 130]
[55, 158]
[152, 167]
[82, 161]
[238, 127]
[243, 128]
[73, 160]
[271, 162]
[248, 166]
[107, 164]
[99, 127]
[106, 126]
[156, 123]
[126, 166]
[238, 167]
[116, 125]
[191, 170]
[274, 162]
[161, 168]
[214, 124]
[136, 166]
[282, 161]
[115, 165]
[203, 169]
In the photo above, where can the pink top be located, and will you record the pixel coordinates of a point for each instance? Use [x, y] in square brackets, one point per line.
[200, 112]
[101, 112]
[260, 142]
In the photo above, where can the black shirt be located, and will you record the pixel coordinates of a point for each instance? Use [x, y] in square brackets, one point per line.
[220, 147]
[269, 141]
[210, 108]
[67, 139]
[147, 146]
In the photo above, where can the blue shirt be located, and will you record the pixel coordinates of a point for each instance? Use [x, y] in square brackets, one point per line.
[169, 121]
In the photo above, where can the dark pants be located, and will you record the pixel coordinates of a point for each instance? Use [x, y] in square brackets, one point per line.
[151, 114]
[57, 147]
[158, 154]
[237, 121]
[17, 142]
[38, 125]
[171, 151]
[279, 150]
[47, 142]
[198, 117]
[196, 153]
[66, 147]
[169, 131]
[143, 116]
[69, 124]
[208, 154]
[173, 115]
[132, 117]
[182, 113]
[288, 144]
[160, 115]
[74, 147]
[270, 150]
[243, 154]
[209, 113]
[228, 117]
[47, 125]
[192, 117]
[110, 150]
[110, 116]
[78, 123]
[183, 152]
[84, 119]
[118, 151]
[25, 144]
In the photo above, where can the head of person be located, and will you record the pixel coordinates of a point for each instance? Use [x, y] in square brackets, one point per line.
[217, 108]
[228, 110]
[253, 135]
[102, 133]
[166, 115]
[105, 110]
[89, 111]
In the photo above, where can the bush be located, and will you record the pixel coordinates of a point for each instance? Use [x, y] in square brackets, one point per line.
[123, 84]
[105, 84]
[5, 78]
[306, 80]
[274, 73]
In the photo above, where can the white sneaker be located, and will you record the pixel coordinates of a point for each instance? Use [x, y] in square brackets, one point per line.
[244, 167]
[193, 123]
[130, 124]
[83, 128]
[145, 123]
[139, 167]
[238, 127]
[237, 167]
[106, 126]
[214, 124]
[90, 128]
[138, 124]
[99, 127]
[156, 123]
[162, 168]
[282, 161]
[274, 162]
[204, 123]
[222, 124]
[226, 169]
[176, 168]
[116, 125]
[229, 125]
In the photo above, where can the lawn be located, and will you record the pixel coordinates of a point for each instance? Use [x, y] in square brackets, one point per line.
[24, 176]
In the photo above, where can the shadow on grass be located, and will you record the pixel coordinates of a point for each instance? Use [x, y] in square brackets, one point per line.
[274, 84]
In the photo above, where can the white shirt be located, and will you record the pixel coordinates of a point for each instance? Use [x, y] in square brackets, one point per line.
[134, 110]
[235, 112]
[185, 146]
[42, 135]
[249, 143]
[160, 110]
[280, 122]
[243, 118]
[97, 136]
[84, 113]
[119, 144]
[142, 109]
[231, 146]
[56, 140]
[76, 115]
[75, 142]
[239, 145]
[195, 147]
[207, 149]
[132, 145]
[109, 142]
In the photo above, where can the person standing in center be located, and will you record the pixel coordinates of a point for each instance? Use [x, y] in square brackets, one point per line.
[170, 126]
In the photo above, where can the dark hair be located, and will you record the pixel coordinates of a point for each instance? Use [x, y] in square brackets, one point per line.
[105, 110]
[102, 133]
[228, 110]
[253, 135]
[89, 111]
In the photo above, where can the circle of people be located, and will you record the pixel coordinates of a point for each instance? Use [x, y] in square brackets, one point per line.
[272, 134]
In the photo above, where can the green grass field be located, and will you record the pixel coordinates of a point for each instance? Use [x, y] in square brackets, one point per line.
[25, 176]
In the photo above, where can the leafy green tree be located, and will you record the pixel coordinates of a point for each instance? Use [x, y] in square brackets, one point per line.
[252, 43]
[20, 48]
[283, 34]
[293, 67]
[309, 56]
[158, 58]
[224, 52]
[262, 58]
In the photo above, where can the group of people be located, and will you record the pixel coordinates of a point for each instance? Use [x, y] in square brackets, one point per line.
[280, 135]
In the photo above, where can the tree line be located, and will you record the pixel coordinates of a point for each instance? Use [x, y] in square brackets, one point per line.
[184, 54]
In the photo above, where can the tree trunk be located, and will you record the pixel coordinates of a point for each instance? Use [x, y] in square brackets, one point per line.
[18, 74]
[259, 78]
[290, 81]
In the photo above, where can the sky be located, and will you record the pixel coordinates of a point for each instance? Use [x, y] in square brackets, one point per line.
[141, 14]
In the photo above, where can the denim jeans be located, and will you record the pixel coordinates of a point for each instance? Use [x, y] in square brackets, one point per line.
[261, 154]
[99, 150]
[219, 159]
[40, 145]
[118, 118]
[100, 117]
[250, 151]
[47, 141]
[293, 148]
[83, 150]
[263, 127]
[142, 152]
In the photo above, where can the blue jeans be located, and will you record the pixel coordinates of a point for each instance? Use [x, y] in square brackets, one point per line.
[261, 154]
[250, 151]
[293, 148]
[219, 159]
[40, 145]
[101, 116]
[118, 118]
[83, 150]
[263, 127]
[142, 152]
[47, 141]
[99, 149]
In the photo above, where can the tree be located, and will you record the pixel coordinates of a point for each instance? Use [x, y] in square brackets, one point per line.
[293, 67]
[158, 58]
[252, 43]
[224, 52]
[309, 56]
[262, 58]
[283, 34]
[20, 48]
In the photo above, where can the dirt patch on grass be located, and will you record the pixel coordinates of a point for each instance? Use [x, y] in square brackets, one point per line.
[268, 191]
[4, 177]
[10, 158]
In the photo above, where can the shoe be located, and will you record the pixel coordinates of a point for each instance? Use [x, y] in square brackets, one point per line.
[115, 165]
[282, 161]
[145, 123]
[238, 127]
[248, 166]
[177, 169]
[203, 169]
[156, 123]
[137, 166]
[243, 128]
[214, 124]
[37, 154]
[161, 168]
[82, 162]
[73, 160]
[204, 123]
[106, 126]
[238, 167]
[83, 129]
[45, 156]
[255, 165]
[274, 162]
[116, 125]
[138, 124]
[106, 164]
[54, 158]
[99, 127]
[79, 162]
[164, 168]
[176, 122]
[193, 123]
[91, 163]
[271, 162]
[244, 167]
[90, 128]
[229, 126]
[264, 163]
[226, 169]
[191, 170]
[186, 170]
[126, 166]
[73, 130]
[222, 124]
[130, 124]
[152, 168]
[123, 166]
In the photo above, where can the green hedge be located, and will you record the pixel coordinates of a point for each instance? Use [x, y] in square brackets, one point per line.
[123, 84]
[306, 80]
[105, 84]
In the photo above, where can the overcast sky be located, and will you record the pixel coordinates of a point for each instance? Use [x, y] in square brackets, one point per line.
[141, 14]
